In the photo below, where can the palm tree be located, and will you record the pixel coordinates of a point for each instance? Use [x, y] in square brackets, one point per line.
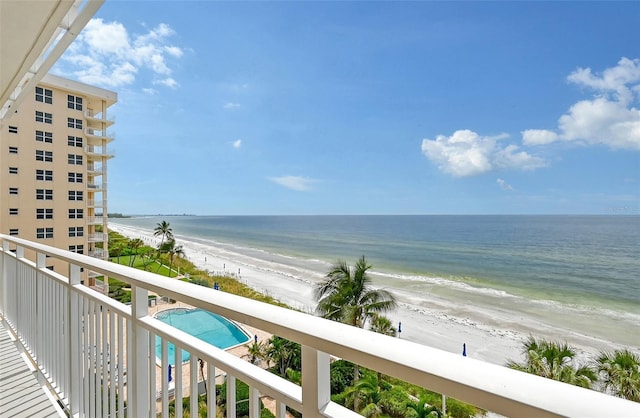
[621, 373]
[173, 250]
[162, 229]
[256, 352]
[423, 409]
[382, 325]
[134, 245]
[283, 353]
[554, 360]
[347, 296]
[367, 390]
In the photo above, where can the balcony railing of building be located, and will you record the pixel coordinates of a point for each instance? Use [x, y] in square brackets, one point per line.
[97, 253]
[97, 153]
[97, 237]
[95, 120]
[98, 354]
[101, 135]
[96, 186]
[93, 203]
[94, 169]
[95, 220]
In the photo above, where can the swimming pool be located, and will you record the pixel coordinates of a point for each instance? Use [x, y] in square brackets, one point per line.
[209, 327]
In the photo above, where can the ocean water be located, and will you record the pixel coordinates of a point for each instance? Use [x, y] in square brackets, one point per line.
[582, 271]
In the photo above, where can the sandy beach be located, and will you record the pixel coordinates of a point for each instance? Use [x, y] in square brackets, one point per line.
[494, 335]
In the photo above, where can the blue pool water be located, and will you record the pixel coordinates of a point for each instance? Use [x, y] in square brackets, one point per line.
[209, 327]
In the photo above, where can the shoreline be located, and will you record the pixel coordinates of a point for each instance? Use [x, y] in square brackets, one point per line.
[494, 335]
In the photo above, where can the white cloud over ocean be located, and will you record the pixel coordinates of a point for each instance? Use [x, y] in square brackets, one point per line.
[297, 183]
[610, 118]
[106, 54]
[466, 153]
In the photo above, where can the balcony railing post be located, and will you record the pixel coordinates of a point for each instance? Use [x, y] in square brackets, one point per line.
[73, 329]
[139, 358]
[316, 392]
[3, 280]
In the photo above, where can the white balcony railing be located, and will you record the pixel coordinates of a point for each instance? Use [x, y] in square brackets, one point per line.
[84, 341]
[97, 237]
[95, 220]
[93, 203]
[96, 120]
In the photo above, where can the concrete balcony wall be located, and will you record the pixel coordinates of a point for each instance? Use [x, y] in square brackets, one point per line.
[97, 352]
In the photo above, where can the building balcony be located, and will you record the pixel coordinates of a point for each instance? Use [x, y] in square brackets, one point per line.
[95, 169]
[97, 237]
[96, 121]
[83, 344]
[95, 187]
[97, 253]
[94, 135]
[95, 220]
[97, 153]
[93, 203]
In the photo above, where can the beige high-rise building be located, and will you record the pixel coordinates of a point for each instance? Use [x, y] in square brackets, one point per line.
[53, 162]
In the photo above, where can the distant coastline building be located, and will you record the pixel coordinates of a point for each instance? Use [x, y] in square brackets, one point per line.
[53, 160]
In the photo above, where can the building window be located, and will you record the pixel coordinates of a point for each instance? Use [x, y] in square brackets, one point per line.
[13, 211]
[74, 123]
[74, 141]
[76, 213]
[45, 175]
[75, 177]
[44, 233]
[13, 150]
[44, 95]
[13, 170]
[13, 129]
[78, 249]
[74, 159]
[76, 231]
[13, 190]
[44, 194]
[44, 156]
[44, 117]
[13, 231]
[74, 102]
[44, 213]
[76, 195]
[42, 136]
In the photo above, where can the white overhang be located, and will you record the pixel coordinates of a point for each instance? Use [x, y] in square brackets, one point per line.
[33, 35]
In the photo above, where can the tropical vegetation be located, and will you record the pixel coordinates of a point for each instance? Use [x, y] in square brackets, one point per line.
[616, 373]
[620, 373]
[555, 361]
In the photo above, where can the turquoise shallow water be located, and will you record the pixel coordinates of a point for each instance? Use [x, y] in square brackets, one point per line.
[588, 265]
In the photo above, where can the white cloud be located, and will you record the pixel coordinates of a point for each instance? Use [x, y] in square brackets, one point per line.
[169, 82]
[465, 153]
[538, 137]
[104, 53]
[504, 185]
[610, 118]
[301, 184]
[231, 106]
[237, 143]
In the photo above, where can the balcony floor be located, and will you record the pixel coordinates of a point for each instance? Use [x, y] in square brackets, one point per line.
[20, 393]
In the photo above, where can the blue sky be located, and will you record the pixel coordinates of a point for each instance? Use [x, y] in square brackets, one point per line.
[335, 107]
